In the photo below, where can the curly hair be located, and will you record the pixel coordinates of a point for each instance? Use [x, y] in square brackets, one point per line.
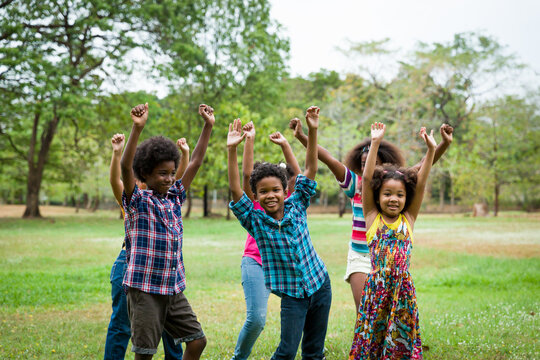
[263, 170]
[387, 172]
[151, 152]
[388, 154]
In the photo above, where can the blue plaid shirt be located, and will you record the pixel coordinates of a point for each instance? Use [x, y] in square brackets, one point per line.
[291, 265]
[154, 235]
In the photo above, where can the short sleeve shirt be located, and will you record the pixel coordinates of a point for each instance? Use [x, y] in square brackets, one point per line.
[290, 263]
[154, 236]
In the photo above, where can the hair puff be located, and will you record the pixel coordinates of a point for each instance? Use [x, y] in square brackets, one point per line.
[152, 152]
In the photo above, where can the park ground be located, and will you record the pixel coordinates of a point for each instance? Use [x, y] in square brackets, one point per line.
[477, 281]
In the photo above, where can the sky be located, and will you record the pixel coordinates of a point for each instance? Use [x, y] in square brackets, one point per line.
[317, 28]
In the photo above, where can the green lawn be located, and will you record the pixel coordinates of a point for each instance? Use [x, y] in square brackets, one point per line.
[477, 280]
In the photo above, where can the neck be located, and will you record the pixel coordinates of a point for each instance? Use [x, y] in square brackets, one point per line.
[278, 215]
[389, 219]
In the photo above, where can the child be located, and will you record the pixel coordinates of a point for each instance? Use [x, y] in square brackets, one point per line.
[119, 332]
[292, 268]
[387, 325]
[155, 278]
[358, 263]
[255, 292]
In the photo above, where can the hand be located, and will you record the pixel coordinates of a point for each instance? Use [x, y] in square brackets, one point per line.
[296, 125]
[377, 131]
[182, 145]
[249, 130]
[429, 139]
[277, 138]
[312, 117]
[235, 135]
[117, 142]
[139, 114]
[207, 113]
[446, 132]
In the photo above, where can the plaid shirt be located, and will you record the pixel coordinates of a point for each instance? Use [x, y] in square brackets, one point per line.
[154, 235]
[291, 265]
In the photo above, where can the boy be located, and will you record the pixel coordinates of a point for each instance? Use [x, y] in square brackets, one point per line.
[155, 278]
[292, 268]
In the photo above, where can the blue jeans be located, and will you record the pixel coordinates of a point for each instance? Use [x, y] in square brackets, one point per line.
[309, 316]
[256, 295]
[119, 331]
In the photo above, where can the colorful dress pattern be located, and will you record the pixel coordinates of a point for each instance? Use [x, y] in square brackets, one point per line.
[387, 325]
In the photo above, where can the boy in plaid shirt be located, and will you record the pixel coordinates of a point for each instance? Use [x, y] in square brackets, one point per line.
[155, 277]
[292, 268]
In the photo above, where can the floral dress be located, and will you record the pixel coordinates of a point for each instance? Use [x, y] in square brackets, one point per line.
[387, 324]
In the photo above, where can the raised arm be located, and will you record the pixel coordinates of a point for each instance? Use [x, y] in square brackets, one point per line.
[335, 166]
[279, 139]
[312, 120]
[115, 172]
[197, 156]
[423, 174]
[184, 160]
[139, 115]
[247, 162]
[368, 202]
[234, 138]
[446, 131]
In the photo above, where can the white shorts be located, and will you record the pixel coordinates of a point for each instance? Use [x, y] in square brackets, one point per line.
[357, 263]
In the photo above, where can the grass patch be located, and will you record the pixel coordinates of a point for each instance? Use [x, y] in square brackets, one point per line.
[55, 291]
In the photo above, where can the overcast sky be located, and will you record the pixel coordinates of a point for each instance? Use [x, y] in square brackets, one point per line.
[317, 27]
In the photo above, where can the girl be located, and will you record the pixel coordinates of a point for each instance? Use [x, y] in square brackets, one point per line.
[347, 176]
[387, 323]
[255, 292]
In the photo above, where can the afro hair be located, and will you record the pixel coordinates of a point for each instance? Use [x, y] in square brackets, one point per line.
[151, 152]
[263, 170]
[388, 154]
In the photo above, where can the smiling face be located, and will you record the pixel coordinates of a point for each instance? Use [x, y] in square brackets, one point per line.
[161, 178]
[271, 196]
[392, 198]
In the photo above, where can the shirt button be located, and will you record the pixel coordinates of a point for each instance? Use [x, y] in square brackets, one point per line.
[174, 269]
[174, 253]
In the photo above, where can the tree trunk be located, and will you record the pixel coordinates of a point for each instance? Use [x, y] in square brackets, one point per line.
[206, 210]
[341, 204]
[188, 211]
[442, 189]
[496, 203]
[35, 169]
[95, 203]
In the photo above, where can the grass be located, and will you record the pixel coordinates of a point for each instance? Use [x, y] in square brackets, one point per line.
[477, 284]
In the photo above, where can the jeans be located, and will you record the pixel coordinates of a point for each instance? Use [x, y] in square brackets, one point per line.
[119, 331]
[256, 295]
[309, 316]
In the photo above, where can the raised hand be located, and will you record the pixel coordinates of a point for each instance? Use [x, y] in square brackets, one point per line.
[312, 117]
[117, 142]
[235, 135]
[429, 139]
[446, 132]
[377, 131]
[139, 114]
[277, 138]
[249, 130]
[296, 125]
[182, 145]
[207, 113]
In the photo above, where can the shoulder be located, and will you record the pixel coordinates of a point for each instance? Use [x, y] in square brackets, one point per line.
[305, 184]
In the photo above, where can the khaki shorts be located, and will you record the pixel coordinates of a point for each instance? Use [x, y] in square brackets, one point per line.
[357, 263]
[150, 314]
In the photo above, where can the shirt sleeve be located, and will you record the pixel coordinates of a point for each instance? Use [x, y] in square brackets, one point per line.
[179, 190]
[349, 183]
[243, 210]
[130, 207]
[304, 190]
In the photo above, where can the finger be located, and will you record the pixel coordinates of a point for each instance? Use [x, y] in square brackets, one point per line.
[230, 127]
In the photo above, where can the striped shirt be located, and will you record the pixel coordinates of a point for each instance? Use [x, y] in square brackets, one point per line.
[351, 188]
[154, 235]
[290, 263]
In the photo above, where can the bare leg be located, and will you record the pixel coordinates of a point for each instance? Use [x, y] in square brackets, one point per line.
[357, 281]
[194, 349]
